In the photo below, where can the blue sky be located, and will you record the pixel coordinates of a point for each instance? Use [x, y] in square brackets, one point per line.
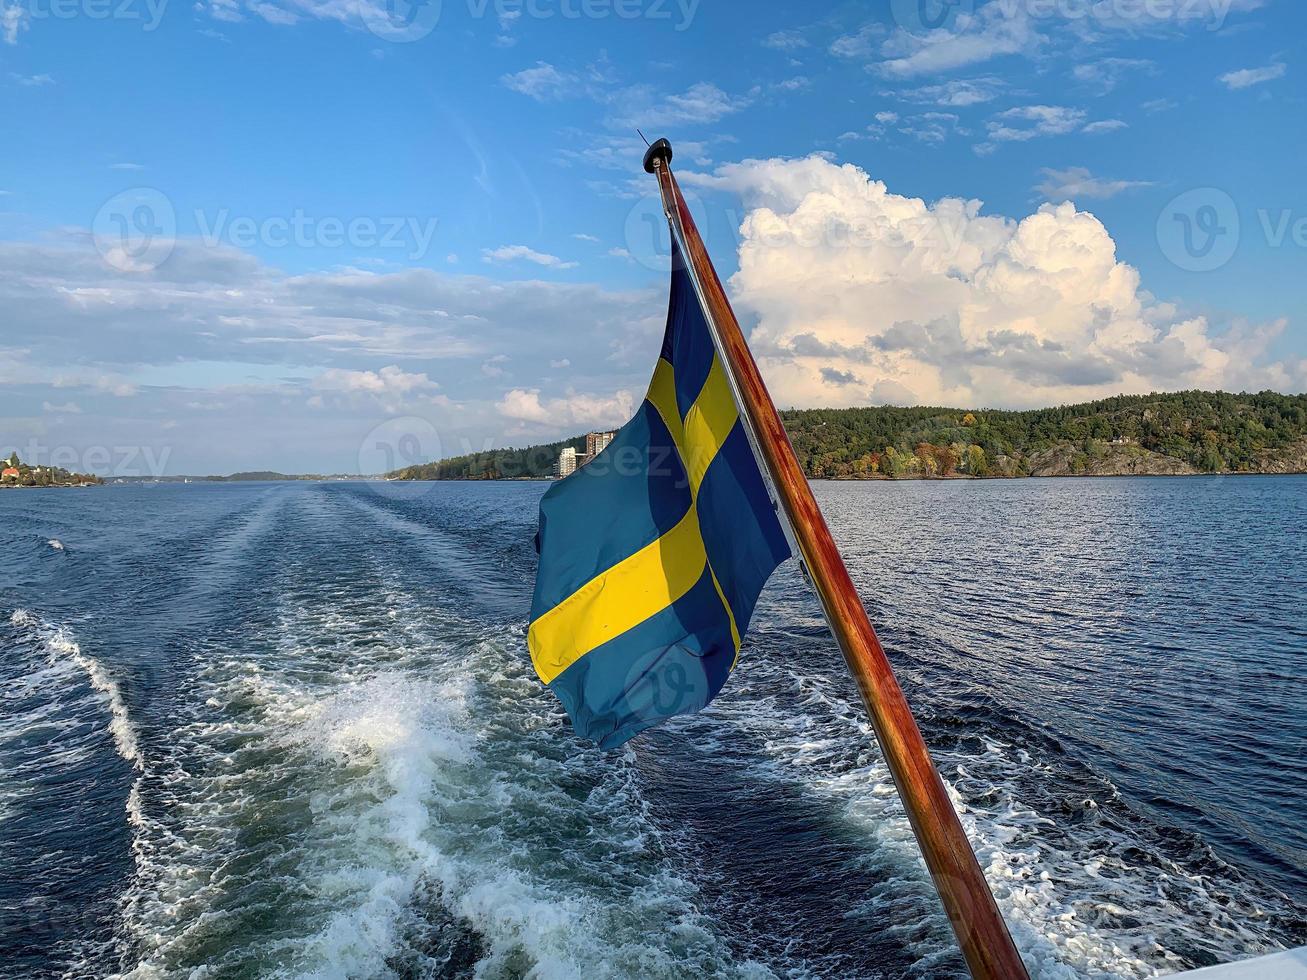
[246, 234]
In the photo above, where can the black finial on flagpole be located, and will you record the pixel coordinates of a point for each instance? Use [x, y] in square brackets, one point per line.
[661, 150]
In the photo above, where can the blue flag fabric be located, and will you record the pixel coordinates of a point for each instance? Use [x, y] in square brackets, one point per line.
[653, 555]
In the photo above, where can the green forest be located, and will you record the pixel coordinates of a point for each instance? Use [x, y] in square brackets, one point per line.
[1210, 432]
[531, 463]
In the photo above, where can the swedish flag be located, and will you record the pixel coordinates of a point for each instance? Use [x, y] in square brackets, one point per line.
[653, 555]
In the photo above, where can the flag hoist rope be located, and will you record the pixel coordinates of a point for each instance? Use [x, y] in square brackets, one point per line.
[972, 911]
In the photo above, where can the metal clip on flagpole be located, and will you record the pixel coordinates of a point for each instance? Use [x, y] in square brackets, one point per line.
[981, 932]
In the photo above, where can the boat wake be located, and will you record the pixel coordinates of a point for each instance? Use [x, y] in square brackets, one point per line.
[419, 812]
[1089, 887]
[65, 702]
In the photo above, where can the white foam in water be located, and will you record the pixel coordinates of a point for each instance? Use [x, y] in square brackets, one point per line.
[419, 793]
[1049, 897]
[59, 679]
[61, 645]
[406, 731]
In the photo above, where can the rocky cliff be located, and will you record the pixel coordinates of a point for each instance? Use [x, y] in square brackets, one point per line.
[1291, 459]
[1106, 460]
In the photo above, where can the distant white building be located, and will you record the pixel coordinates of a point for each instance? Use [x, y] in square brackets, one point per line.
[566, 462]
[569, 460]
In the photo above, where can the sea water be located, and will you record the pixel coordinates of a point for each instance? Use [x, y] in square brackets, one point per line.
[291, 730]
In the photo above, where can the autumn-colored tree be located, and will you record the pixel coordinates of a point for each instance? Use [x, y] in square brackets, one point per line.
[946, 460]
[926, 455]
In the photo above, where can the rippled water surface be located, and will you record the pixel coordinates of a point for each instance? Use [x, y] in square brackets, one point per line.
[291, 730]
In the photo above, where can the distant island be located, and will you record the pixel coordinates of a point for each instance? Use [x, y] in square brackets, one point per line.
[1173, 434]
[254, 476]
[15, 473]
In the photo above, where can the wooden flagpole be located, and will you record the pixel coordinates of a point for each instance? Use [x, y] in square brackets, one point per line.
[972, 911]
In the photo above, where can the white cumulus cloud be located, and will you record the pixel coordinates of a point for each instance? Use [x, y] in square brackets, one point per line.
[573, 409]
[864, 296]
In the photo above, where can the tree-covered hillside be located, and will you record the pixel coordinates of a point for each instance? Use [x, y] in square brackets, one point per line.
[533, 462]
[1210, 431]
[1204, 431]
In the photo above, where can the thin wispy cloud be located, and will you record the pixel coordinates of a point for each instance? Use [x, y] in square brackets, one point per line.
[1077, 183]
[521, 253]
[956, 93]
[785, 41]
[930, 127]
[1105, 74]
[859, 43]
[1248, 77]
[990, 32]
[1153, 106]
[700, 104]
[542, 83]
[1101, 126]
[796, 84]
[1022, 123]
[978, 33]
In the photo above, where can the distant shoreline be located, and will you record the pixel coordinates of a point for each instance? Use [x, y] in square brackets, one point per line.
[956, 478]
